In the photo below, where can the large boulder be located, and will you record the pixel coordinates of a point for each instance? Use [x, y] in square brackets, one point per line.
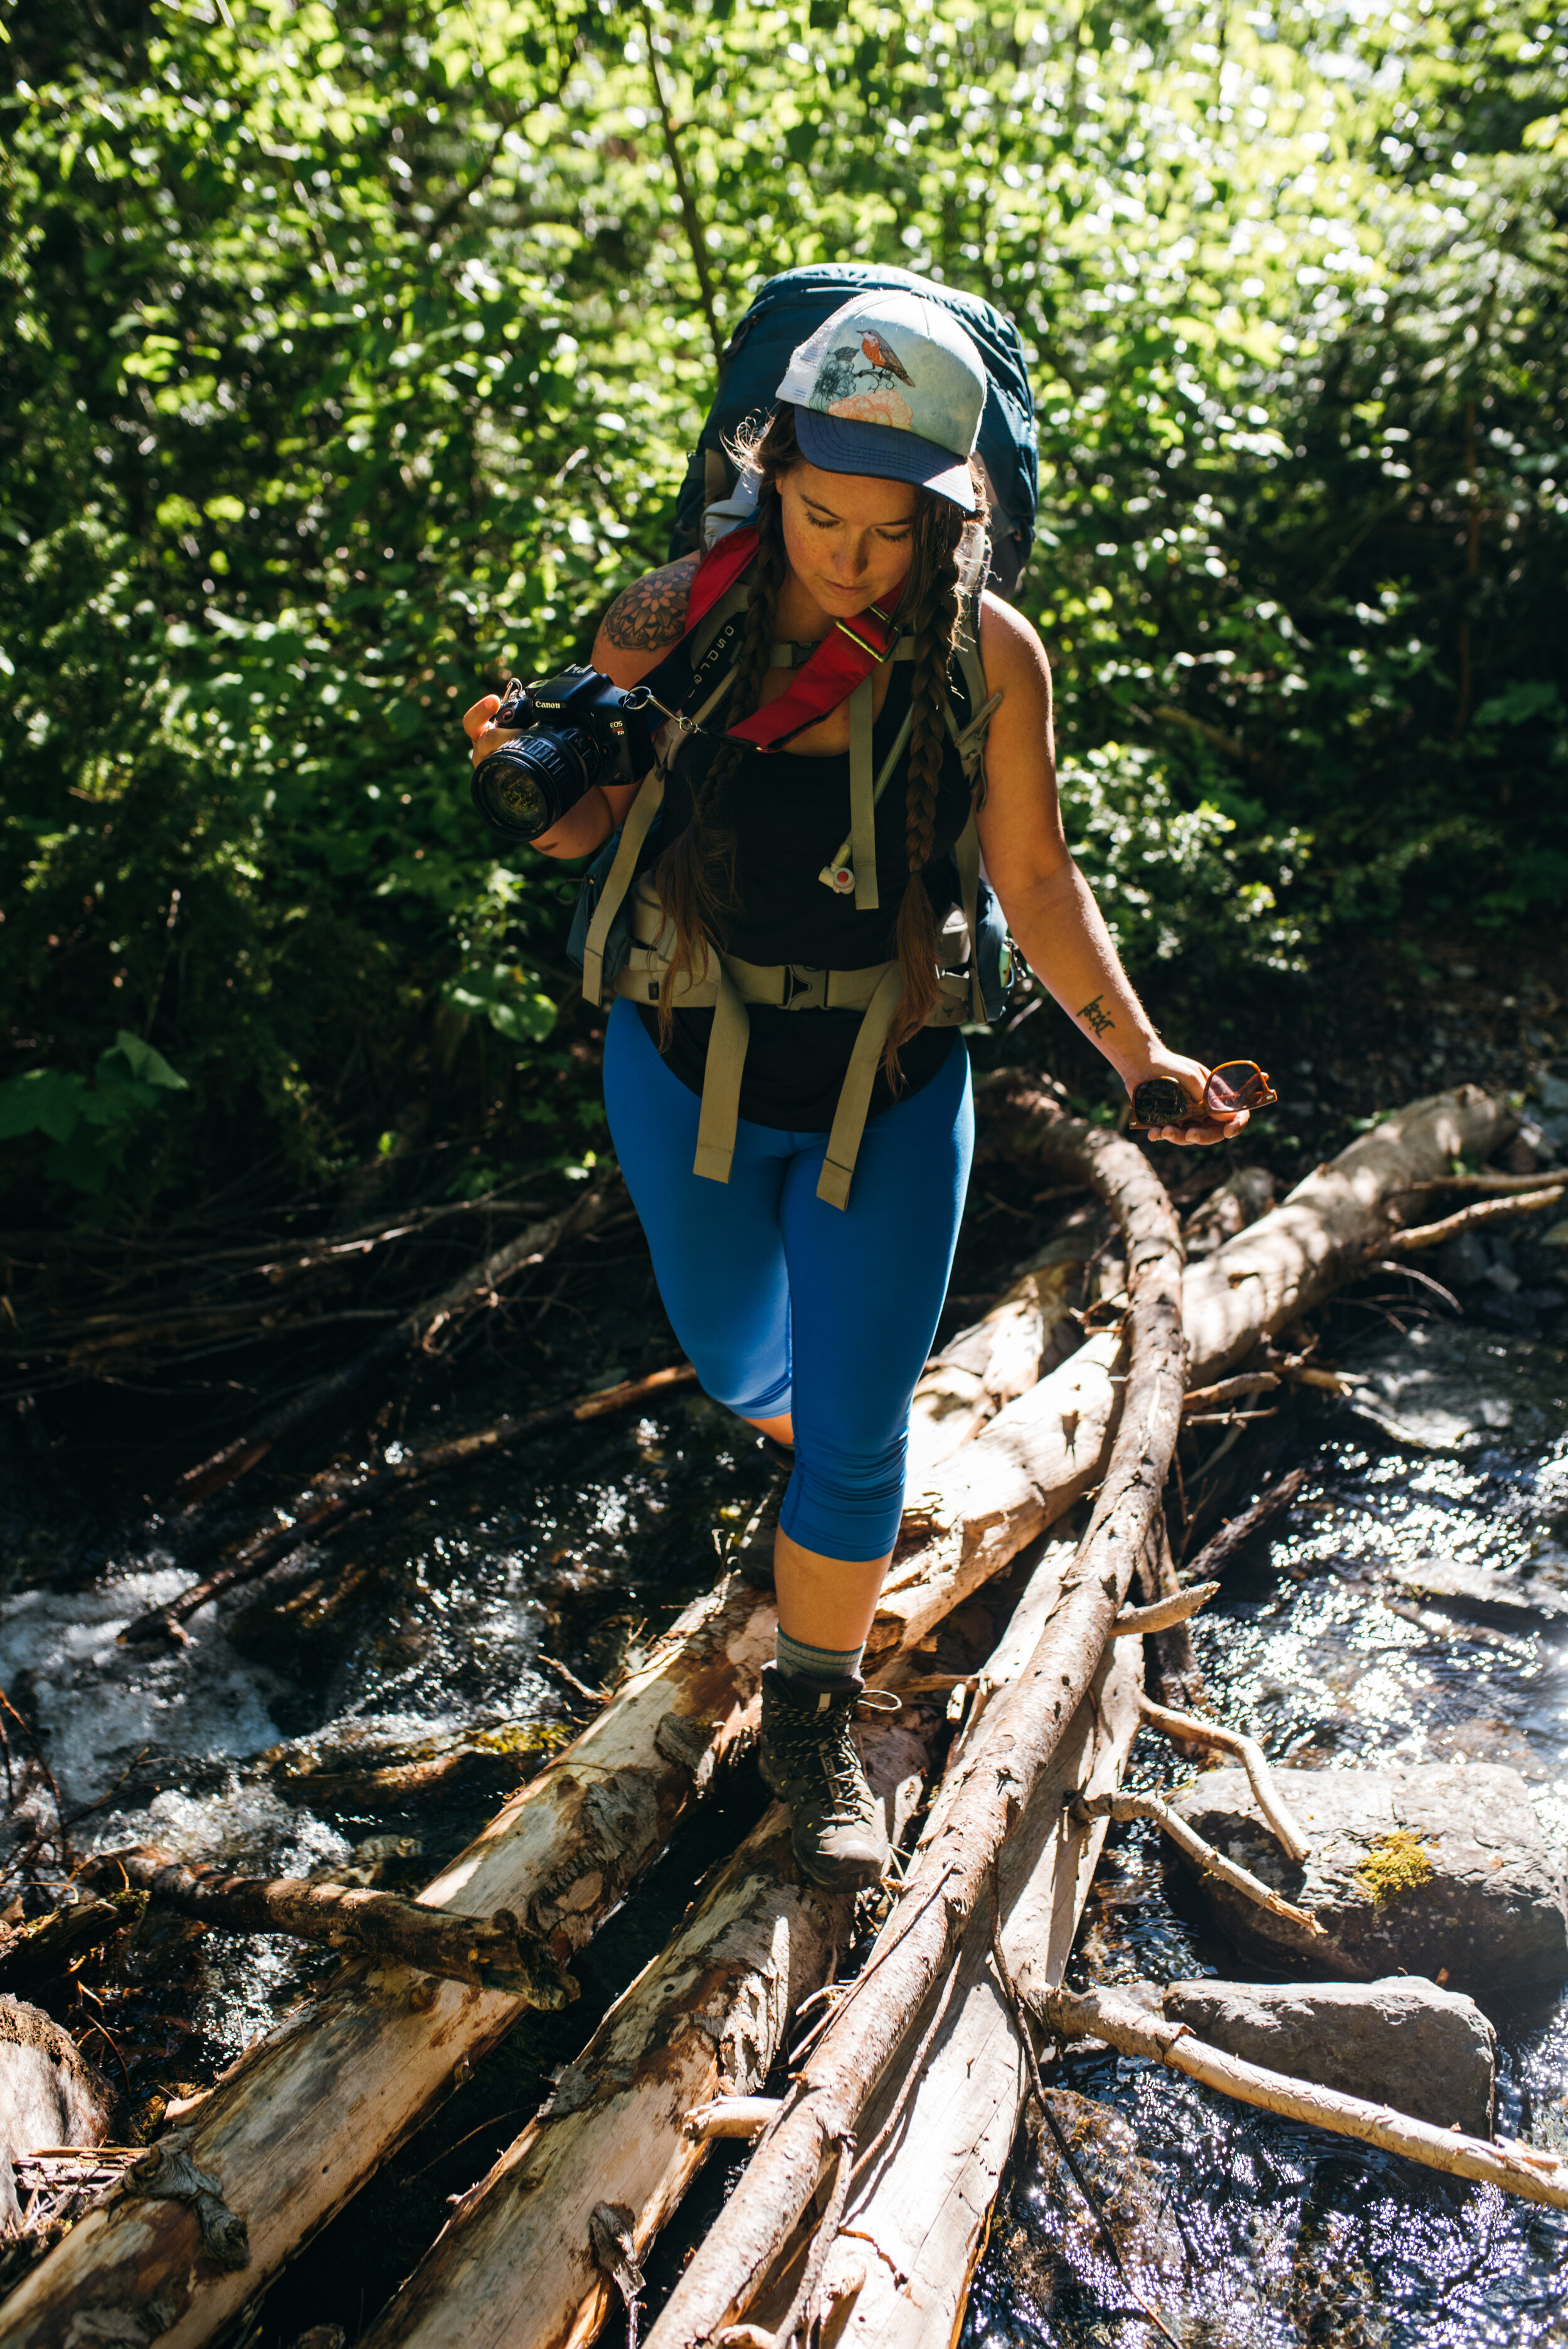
[1401, 2041]
[1424, 1869]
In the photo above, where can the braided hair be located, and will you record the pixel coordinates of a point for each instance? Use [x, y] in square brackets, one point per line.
[931, 600]
[694, 876]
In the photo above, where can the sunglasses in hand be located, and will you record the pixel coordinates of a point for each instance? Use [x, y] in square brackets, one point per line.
[1233, 1086]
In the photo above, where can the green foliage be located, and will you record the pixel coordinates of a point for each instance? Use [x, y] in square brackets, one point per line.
[349, 359]
[90, 1126]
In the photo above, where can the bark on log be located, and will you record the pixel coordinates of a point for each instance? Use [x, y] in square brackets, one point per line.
[1538, 2176]
[1014, 1746]
[486, 1952]
[310, 2111]
[515, 2262]
[918, 2220]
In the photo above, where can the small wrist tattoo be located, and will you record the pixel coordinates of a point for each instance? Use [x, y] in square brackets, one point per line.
[1094, 1017]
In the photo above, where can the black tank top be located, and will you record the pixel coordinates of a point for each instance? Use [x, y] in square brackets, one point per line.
[789, 816]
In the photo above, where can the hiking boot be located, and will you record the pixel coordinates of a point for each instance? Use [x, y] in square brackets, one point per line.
[807, 1758]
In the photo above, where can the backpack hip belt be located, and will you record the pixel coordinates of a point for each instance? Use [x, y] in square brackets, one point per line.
[727, 984]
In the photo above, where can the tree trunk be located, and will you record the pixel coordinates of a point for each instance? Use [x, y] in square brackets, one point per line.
[915, 2227]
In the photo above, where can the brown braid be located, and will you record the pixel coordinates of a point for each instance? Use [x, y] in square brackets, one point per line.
[695, 875]
[933, 580]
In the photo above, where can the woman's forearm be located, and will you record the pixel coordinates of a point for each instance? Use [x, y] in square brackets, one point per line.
[1062, 936]
[582, 829]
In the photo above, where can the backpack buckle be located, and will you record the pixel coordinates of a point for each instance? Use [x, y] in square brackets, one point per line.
[805, 988]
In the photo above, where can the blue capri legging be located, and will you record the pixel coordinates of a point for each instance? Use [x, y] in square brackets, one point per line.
[785, 1304]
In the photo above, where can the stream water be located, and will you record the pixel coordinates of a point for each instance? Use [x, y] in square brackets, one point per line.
[364, 1714]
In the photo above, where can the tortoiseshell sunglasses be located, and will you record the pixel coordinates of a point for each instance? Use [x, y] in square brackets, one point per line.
[1235, 1085]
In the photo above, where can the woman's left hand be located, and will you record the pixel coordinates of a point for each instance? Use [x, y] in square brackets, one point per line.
[1192, 1076]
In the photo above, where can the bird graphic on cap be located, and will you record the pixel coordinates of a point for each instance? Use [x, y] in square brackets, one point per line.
[881, 356]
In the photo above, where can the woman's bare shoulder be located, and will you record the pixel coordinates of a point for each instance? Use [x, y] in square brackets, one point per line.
[1007, 638]
[651, 612]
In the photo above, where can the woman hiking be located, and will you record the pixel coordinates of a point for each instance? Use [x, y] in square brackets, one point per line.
[805, 1291]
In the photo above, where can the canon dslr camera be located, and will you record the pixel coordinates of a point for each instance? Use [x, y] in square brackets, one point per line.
[574, 731]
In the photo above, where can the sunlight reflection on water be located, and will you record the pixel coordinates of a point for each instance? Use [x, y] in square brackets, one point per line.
[1274, 2235]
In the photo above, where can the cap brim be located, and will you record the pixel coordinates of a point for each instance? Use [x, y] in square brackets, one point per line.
[843, 444]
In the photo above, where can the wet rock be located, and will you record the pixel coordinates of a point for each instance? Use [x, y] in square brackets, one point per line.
[1449, 1387]
[49, 2094]
[1425, 1869]
[1496, 1596]
[1402, 2041]
[1462, 1261]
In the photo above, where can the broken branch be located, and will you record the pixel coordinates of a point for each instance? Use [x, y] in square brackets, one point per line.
[1251, 1755]
[487, 1953]
[1179, 1608]
[1105, 2014]
[1466, 1219]
[1202, 1855]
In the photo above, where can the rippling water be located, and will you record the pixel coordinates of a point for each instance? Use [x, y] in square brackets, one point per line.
[1258, 2231]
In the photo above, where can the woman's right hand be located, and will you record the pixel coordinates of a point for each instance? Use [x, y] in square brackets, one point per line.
[480, 729]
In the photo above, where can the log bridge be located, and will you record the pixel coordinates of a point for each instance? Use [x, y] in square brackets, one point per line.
[866, 2202]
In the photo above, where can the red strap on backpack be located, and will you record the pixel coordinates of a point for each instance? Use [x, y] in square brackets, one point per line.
[847, 654]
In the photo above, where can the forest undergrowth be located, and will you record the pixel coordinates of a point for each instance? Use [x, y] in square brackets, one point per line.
[350, 358]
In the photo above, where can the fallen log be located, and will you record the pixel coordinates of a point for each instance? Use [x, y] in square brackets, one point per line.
[330, 1514]
[311, 2110]
[1216, 1554]
[1011, 1752]
[517, 2259]
[489, 1953]
[919, 2212]
[1047, 1449]
[1538, 2176]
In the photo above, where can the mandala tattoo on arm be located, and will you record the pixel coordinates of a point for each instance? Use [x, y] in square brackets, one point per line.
[652, 612]
[1094, 1015]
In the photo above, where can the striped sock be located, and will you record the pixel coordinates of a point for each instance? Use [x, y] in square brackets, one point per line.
[818, 1667]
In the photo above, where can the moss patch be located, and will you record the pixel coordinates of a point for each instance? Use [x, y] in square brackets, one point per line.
[1394, 1864]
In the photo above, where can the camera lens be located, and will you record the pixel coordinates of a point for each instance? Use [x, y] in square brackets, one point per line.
[524, 788]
